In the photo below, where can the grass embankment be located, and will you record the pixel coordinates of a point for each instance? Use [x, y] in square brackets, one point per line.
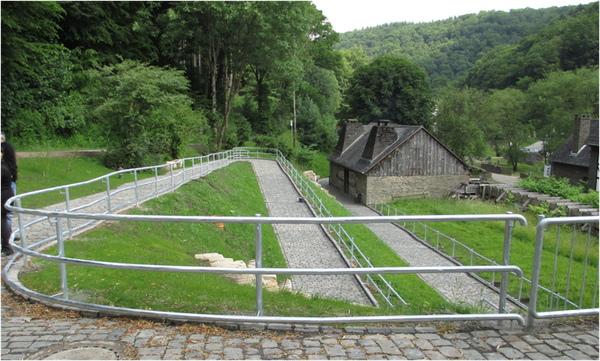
[46, 172]
[487, 238]
[232, 191]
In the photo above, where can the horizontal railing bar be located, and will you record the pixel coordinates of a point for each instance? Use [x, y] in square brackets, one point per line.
[280, 271]
[272, 220]
[568, 313]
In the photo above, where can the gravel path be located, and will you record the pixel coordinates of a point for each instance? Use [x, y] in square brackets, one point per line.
[458, 287]
[304, 245]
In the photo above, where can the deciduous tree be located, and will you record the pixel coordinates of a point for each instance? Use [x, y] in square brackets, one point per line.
[390, 88]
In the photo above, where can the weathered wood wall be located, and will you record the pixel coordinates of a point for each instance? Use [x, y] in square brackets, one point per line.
[421, 155]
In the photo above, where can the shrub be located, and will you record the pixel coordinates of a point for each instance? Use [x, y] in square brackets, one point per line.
[560, 187]
[145, 112]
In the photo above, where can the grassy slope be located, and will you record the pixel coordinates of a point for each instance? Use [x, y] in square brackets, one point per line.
[487, 238]
[232, 191]
[45, 172]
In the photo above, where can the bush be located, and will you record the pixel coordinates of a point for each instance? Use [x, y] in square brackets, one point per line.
[145, 112]
[560, 187]
[305, 155]
[281, 142]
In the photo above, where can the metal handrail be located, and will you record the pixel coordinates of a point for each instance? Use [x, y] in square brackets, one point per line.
[535, 288]
[542, 227]
[224, 159]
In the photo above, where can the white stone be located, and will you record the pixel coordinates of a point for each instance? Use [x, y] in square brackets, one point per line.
[210, 257]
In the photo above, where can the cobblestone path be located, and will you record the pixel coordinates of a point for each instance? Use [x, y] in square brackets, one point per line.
[304, 245]
[458, 287]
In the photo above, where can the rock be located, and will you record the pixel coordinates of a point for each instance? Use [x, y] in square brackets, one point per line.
[210, 257]
[217, 260]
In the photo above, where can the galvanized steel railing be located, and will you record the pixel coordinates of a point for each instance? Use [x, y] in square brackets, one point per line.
[569, 308]
[555, 299]
[173, 180]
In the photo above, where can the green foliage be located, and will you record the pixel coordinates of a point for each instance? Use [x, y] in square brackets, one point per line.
[390, 88]
[37, 74]
[560, 187]
[567, 44]
[305, 155]
[447, 49]
[458, 121]
[114, 30]
[544, 209]
[145, 111]
[553, 103]
[284, 142]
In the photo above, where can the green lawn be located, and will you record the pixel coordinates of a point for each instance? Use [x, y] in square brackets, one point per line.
[487, 239]
[46, 172]
[231, 191]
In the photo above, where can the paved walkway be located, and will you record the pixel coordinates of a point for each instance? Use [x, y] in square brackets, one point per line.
[35, 332]
[457, 288]
[506, 179]
[304, 245]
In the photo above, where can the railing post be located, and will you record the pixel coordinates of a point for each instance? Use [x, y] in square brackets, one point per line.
[258, 264]
[22, 232]
[156, 180]
[194, 170]
[137, 197]
[61, 253]
[68, 210]
[535, 273]
[183, 167]
[508, 225]
[108, 195]
[172, 184]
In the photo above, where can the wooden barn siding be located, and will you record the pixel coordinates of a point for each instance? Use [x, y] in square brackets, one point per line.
[420, 155]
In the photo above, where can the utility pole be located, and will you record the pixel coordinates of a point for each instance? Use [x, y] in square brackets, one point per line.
[294, 131]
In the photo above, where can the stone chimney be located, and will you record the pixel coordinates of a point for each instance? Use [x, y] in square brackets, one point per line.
[351, 131]
[380, 138]
[581, 131]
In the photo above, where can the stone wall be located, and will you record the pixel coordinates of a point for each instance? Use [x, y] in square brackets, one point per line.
[357, 183]
[336, 175]
[385, 188]
[496, 169]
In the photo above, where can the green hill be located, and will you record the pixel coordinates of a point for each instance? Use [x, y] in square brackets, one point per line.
[448, 49]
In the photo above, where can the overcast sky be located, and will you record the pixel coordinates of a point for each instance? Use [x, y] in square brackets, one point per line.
[348, 15]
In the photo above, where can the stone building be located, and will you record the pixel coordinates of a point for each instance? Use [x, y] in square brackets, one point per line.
[388, 161]
[577, 158]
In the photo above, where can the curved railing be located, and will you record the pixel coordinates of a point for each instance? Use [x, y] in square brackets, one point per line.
[78, 220]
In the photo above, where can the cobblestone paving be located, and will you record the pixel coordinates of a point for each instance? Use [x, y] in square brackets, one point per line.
[304, 245]
[457, 287]
[24, 336]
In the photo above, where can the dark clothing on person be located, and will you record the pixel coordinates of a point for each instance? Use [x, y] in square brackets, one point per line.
[7, 192]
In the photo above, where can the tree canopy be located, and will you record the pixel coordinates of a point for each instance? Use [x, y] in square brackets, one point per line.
[390, 88]
[447, 49]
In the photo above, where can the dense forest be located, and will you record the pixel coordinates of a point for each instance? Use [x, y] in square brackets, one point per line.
[145, 79]
[448, 49]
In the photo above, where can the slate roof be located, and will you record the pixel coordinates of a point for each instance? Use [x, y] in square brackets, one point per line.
[563, 153]
[352, 158]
